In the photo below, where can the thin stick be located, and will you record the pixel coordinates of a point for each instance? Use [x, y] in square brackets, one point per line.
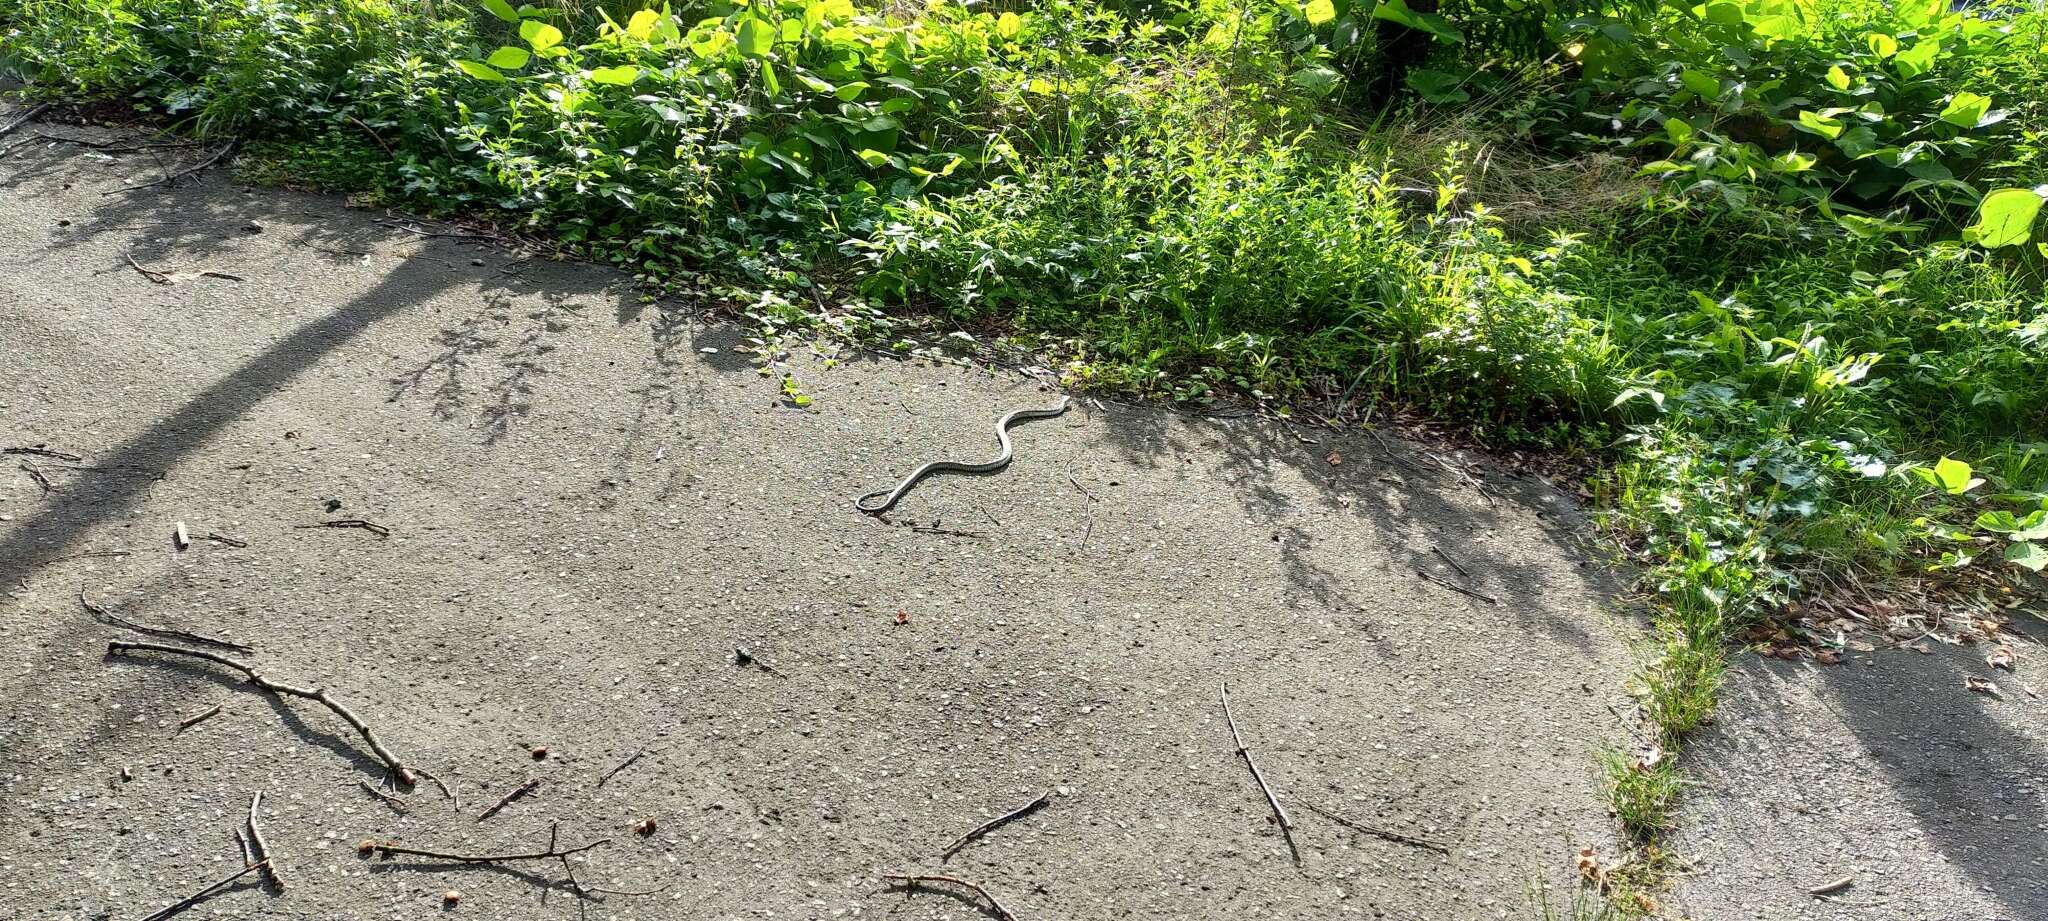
[197, 718]
[1245, 752]
[248, 856]
[453, 797]
[25, 118]
[1834, 887]
[108, 617]
[614, 772]
[922, 529]
[36, 473]
[357, 523]
[387, 849]
[169, 178]
[1447, 558]
[89, 554]
[43, 452]
[317, 695]
[257, 847]
[911, 882]
[197, 897]
[516, 793]
[219, 538]
[1393, 836]
[1489, 599]
[394, 802]
[993, 824]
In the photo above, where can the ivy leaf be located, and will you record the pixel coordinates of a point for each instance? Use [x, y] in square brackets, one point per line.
[540, 35]
[2005, 218]
[481, 71]
[502, 10]
[508, 58]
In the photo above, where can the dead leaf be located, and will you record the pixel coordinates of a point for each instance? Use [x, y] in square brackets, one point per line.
[2000, 658]
[1590, 868]
[1647, 758]
[1828, 657]
[902, 617]
[1334, 458]
[1983, 687]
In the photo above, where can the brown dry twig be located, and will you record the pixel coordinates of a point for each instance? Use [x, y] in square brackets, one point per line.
[197, 718]
[1393, 836]
[1489, 599]
[317, 695]
[395, 802]
[40, 451]
[629, 762]
[357, 523]
[506, 800]
[1833, 887]
[170, 178]
[1245, 752]
[219, 538]
[993, 824]
[911, 882]
[389, 849]
[110, 618]
[200, 896]
[36, 473]
[258, 848]
[25, 118]
[1447, 558]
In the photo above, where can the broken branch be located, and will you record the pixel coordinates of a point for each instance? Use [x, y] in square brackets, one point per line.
[197, 718]
[1489, 599]
[317, 695]
[388, 849]
[169, 178]
[911, 882]
[258, 848]
[357, 523]
[516, 793]
[1447, 558]
[394, 802]
[110, 618]
[1393, 836]
[614, 772]
[993, 824]
[197, 897]
[40, 451]
[1245, 752]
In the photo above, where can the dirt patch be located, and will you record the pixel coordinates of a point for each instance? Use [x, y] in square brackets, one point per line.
[592, 502]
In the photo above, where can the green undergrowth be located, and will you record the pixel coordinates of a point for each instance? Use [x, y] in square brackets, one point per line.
[1798, 333]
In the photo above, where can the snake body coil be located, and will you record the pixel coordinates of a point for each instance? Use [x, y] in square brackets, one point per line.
[1000, 461]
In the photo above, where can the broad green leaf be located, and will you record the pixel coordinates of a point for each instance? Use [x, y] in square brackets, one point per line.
[1838, 78]
[502, 10]
[1318, 12]
[1822, 125]
[1009, 24]
[1398, 11]
[1954, 476]
[2033, 527]
[1965, 110]
[1999, 522]
[481, 71]
[756, 38]
[622, 75]
[2027, 554]
[641, 26]
[508, 58]
[1880, 44]
[540, 35]
[1857, 142]
[1435, 86]
[1678, 129]
[1724, 14]
[1703, 84]
[1918, 59]
[2005, 218]
[848, 92]
[1319, 81]
[874, 158]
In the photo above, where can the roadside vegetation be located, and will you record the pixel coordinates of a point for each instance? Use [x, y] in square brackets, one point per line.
[1769, 272]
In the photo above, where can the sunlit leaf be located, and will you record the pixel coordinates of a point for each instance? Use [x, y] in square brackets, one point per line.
[481, 71]
[502, 10]
[508, 58]
[540, 35]
[1965, 110]
[2005, 218]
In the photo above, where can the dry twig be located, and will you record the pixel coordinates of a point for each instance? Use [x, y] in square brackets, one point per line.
[258, 848]
[357, 523]
[200, 896]
[317, 695]
[197, 718]
[389, 848]
[395, 802]
[40, 451]
[1393, 836]
[516, 793]
[614, 772]
[169, 178]
[1453, 586]
[24, 119]
[1447, 558]
[1245, 752]
[36, 473]
[111, 619]
[911, 882]
[1833, 887]
[993, 824]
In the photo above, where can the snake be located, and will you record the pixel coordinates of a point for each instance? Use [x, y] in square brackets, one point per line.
[1001, 460]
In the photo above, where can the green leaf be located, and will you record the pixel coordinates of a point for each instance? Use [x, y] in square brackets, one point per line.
[2005, 218]
[848, 92]
[874, 158]
[1880, 44]
[1838, 78]
[1438, 87]
[1965, 110]
[1398, 11]
[622, 75]
[641, 26]
[502, 10]
[540, 35]
[481, 71]
[1678, 129]
[2027, 554]
[1999, 522]
[1918, 59]
[1857, 142]
[1703, 84]
[1009, 24]
[508, 58]
[1822, 125]
[1318, 12]
[756, 38]
[1954, 476]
